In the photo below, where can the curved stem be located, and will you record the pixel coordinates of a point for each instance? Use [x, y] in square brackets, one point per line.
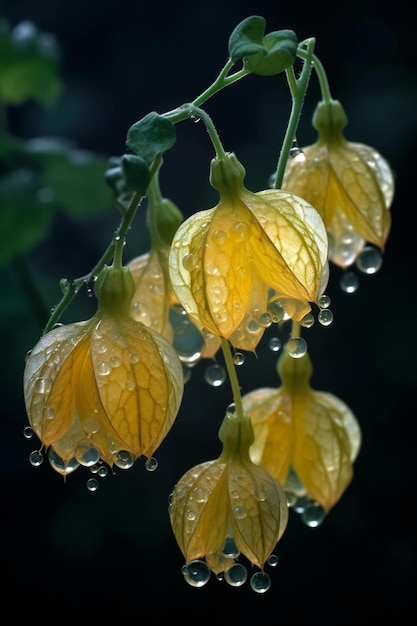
[298, 88]
[234, 383]
[321, 75]
[211, 129]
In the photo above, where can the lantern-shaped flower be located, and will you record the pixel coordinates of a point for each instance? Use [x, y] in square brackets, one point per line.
[234, 266]
[108, 388]
[299, 430]
[350, 184]
[226, 507]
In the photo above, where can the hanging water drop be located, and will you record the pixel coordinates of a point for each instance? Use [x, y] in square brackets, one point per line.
[313, 515]
[151, 464]
[324, 301]
[230, 549]
[215, 375]
[123, 459]
[307, 321]
[272, 560]
[349, 282]
[196, 573]
[297, 347]
[59, 465]
[274, 344]
[260, 582]
[236, 575]
[369, 260]
[92, 484]
[28, 432]
[238, 358]
[325, 317]
[36, 458]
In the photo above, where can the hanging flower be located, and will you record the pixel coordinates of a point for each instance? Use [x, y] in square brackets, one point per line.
[108, 388]
[226, 507]
[234, 266]
[299, 431]
[350, 184]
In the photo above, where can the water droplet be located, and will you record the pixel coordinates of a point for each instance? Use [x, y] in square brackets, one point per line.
[260, 582]
[102, 471]
[43, 385]
[349, 282]
[196, 573]
[324, 301]
[188, 342]
[115, 361]
[307, 321]
[59, 465]
[103, 368]
[134, 357]
[369, 260]
[274, 344]
[190, 262]
[236, 575]
[91, 425]
[123, 459]
[240, 231]
[325, 317]
[215, 375]
[230, 549]
[86, 454]
[297, 347]
[92, 484]
[313, 515]
[295, 153]
[291, 498]
[238, 358]
[28, 432]
[272, 560]
[240, 512]
[151, 464]
[36, 458]
[302, 503]
[199, 495]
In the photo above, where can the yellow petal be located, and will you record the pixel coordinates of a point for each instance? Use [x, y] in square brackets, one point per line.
[139, 378]
[270, 411]
[259, 511]
[49, 378]
[322, 452]
[199, 510]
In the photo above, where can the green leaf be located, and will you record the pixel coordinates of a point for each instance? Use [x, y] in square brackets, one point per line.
[74, 177]
[247, 38]
[136, 173]
[150, 136]
[25, 214]
[28, 64]
[280, 51]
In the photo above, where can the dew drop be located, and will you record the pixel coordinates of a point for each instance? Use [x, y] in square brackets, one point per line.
[274, 344]
[59, 465]
[190, 515]
[102, 471]
[240, 512]
[123, 459]
[215, 375]
[238, 358]
[115, 361]
[236, 575]
[196, 573]
[91, 425]
[265, 320]
[28, 432]
[86, 454]
[325, 317]
[36, 458]
[349, 282]
[301, 504]
[272, 560]
[188, 342]
[313, 515]
[324, 301]
[190, 262]
[307, 321]
[230, 549]
[43, 385]
[297, 347]
[260, 582]
[134, 357]
[151, 464]
[92, 484]
[103, 368]
[199, 495]
[369, 260]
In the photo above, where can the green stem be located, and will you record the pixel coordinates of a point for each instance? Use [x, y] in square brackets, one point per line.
[321, 75]
[298, 88]
[211, 129]
[234, 383]
[295, 329]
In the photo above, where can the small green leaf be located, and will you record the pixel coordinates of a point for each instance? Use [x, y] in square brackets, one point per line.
[136, 173]
[247, 38]
[28, 64]
[280, 51]
[25, 214]
[150, 136]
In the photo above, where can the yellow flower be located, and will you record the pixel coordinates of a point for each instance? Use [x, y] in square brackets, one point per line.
[108, 388]
[350, 184]
[233, 266]
[311, 432]
[227, 502]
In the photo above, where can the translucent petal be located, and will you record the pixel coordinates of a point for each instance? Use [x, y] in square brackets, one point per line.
[322, 451]
[139, 379]
[270, 411]
[259, 511]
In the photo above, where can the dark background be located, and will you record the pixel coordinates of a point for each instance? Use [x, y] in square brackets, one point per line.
[110, 557]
